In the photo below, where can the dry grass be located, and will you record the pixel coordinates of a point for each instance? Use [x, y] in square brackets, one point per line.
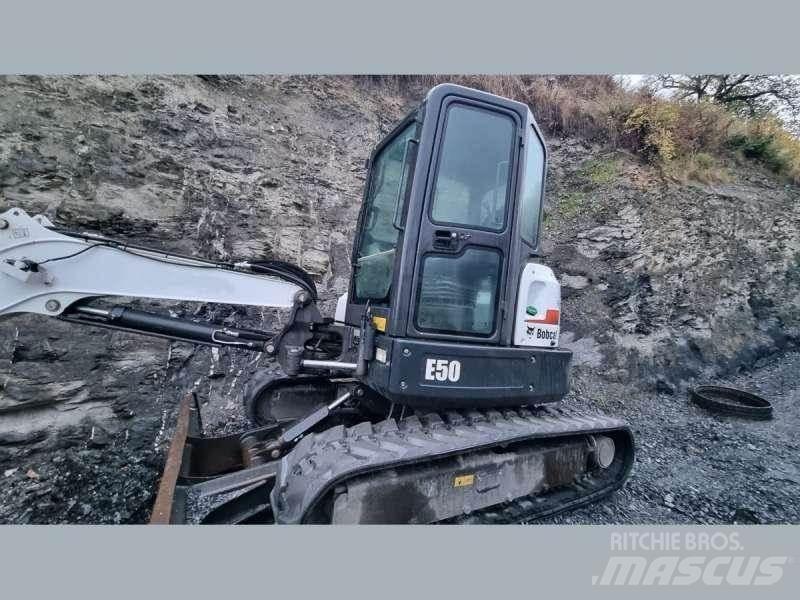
[767, 141]
[702, 167]
[685, 139]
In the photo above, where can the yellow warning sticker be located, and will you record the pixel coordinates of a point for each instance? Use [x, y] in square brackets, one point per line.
[463, 480]
[379, 323]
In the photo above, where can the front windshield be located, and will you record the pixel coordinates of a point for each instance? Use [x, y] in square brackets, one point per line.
[379, 237]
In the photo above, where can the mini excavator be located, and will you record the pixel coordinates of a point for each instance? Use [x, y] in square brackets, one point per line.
[432, 394]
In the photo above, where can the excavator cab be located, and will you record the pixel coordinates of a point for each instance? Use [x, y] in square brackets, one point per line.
[449, 222]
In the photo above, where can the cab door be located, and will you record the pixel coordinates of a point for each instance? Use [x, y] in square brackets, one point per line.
[465, 231]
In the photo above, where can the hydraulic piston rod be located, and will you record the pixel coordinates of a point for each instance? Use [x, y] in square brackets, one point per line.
[119, 317]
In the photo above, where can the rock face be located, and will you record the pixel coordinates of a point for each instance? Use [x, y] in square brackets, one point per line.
[662, 282]
[220, 167]
[673, 282]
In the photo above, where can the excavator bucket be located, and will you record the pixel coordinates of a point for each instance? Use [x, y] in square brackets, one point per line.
[225, 468]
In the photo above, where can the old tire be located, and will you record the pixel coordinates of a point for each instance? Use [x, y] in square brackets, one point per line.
[730, 401]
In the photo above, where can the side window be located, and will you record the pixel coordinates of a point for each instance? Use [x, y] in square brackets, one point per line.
[532, 188]
[473, 176]
[378, 237]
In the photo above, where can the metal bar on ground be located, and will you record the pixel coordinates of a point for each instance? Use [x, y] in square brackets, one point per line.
[162, 509]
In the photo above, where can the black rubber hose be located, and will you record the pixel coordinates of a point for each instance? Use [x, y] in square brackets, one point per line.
[288, 271]
[277, 268]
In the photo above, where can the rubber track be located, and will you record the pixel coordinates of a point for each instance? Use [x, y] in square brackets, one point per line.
[321, 461]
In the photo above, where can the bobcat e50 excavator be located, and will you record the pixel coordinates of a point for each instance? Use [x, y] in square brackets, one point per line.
[428, 398]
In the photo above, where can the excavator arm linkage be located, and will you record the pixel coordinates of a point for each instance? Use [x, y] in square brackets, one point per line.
[48, 272]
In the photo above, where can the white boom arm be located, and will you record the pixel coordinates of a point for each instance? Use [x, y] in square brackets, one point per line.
[44, 272]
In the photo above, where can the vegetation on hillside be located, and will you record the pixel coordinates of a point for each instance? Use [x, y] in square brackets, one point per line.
[686, 136]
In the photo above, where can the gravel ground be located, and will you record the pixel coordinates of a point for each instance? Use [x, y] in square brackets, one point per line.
[111, 481]
[693, 466]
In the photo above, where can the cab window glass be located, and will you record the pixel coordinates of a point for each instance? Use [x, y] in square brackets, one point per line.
[379, 237]
[531, 201]
[473, 176]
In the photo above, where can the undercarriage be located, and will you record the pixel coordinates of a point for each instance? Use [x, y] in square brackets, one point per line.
[491, 466]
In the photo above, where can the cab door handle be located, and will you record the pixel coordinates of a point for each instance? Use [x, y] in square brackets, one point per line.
[444, 239]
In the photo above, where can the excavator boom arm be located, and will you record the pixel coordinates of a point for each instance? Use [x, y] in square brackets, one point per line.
[46, 272]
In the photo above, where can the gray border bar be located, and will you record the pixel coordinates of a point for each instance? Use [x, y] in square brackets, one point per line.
[404, 562]
[415, 36]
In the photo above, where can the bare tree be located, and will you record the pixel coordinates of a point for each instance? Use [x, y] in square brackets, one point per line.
[746, 94]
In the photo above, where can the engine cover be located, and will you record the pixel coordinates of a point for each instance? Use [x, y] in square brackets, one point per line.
[538, 315]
